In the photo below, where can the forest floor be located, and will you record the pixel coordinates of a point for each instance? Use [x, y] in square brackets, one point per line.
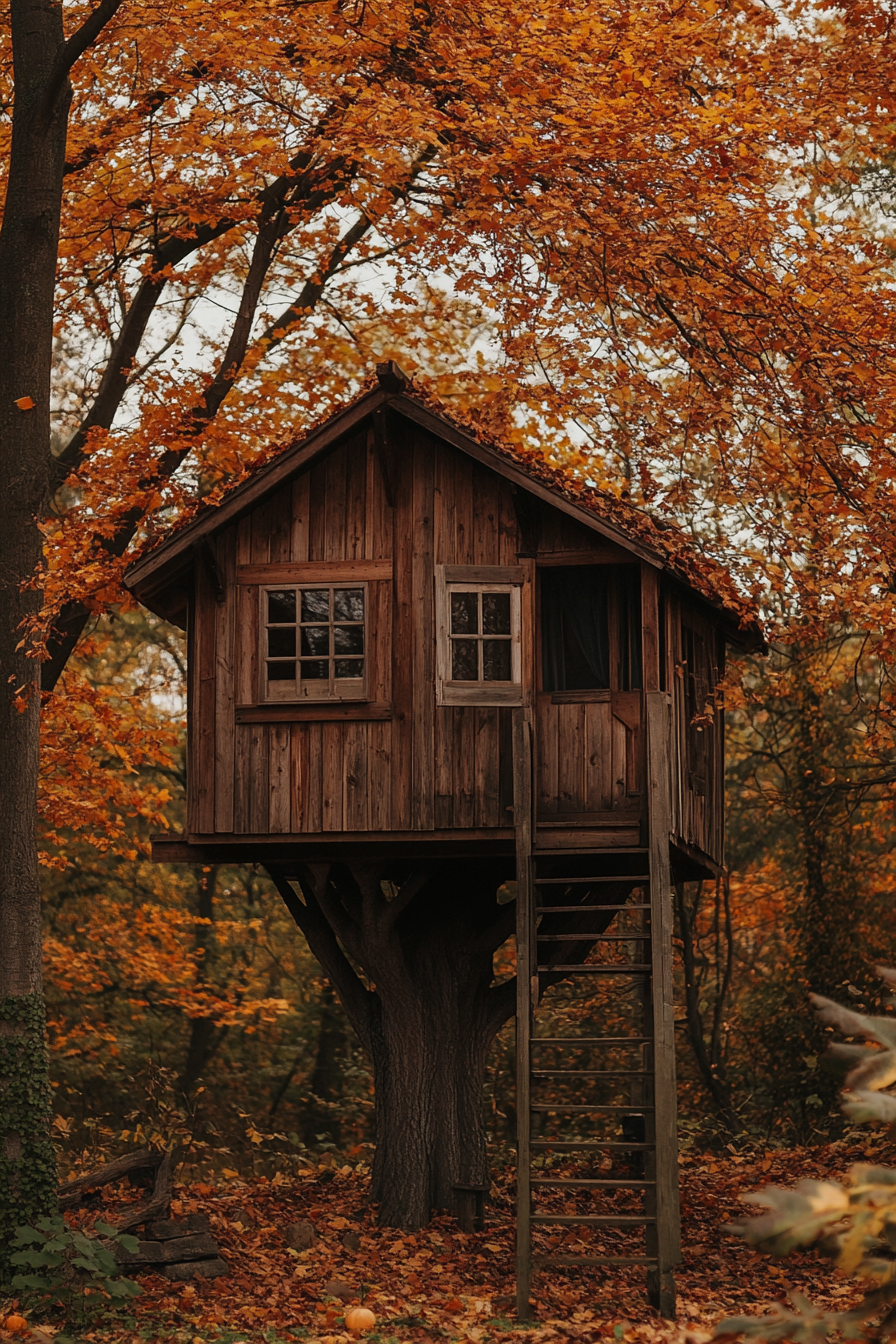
[443, 1285]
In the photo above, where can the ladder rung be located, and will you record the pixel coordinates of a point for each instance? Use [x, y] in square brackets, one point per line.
[630, 1109]
[594, 1219]
[591, 1073]
[595, 1260]
[589, 1145]
[612, 1185]
[592, 1040]
[605, 852]
[598, 937]
[630, 968]
[584, 909]
[576, 881]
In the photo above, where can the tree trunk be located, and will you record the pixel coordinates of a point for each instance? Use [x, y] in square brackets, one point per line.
[429, 1051]
[28, 248]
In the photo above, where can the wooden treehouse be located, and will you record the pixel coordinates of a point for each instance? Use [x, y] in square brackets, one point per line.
[408, 643]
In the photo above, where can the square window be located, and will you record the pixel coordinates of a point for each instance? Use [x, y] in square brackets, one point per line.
[478, 649]
[314, 642]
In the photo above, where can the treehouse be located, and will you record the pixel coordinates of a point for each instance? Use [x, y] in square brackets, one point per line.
[410, 645]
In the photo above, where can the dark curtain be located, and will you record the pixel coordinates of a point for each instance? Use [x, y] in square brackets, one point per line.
[574, 606]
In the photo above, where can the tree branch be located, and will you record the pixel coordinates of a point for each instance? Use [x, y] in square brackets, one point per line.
[72, 50]
[355, 999]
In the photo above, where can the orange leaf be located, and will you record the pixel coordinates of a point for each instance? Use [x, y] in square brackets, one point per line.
[25, 403]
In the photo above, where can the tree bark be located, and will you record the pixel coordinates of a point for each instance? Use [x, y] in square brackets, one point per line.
[429, 1050]
[29, 239]
[28, 247]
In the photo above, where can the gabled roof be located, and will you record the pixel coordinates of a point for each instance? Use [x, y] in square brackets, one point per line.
[617, 520]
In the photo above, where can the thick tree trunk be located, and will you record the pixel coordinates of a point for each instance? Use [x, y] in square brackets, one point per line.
[28, 248]
[429, 1052]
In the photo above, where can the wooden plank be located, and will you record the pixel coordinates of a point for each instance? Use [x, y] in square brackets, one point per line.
[508, 528]
[244, 541]
[322, 712]
[298, 777]
[443, 762]
[355, 786]
[526, 1000]
[424, 684]
[598, 758]
[331, 846]
[571, 757]
[505, 765]
[301, 507]
[225, 683]
[464, 766]
[259, 778]
[356, 499]
[619, 758]
[326, 571]
[314, 804]
[486, 511]
[380, 642]
[464, 553]
[281, 526]
[547, 747]
[650, 628]
[246, 641]
[403, 669]
[668, 1248]
[556, 837]
[242, 781]
[280, 780]
[261, 534]
[334, 539]
[445, 512]
[317, 514]
[204, 722]
[332, 775]
[594, 555]
[485, 574]
[487, 770]
[378, 522]
[379, 776]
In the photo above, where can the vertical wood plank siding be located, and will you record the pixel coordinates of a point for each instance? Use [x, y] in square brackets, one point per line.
[428, 766]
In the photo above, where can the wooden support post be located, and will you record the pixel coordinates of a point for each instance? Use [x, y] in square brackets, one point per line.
[526, 993]
[666, 1234]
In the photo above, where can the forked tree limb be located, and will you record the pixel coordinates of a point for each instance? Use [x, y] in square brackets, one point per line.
[355, 999]
[80, 41]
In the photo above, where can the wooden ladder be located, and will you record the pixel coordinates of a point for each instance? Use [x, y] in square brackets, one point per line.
[597, 1114]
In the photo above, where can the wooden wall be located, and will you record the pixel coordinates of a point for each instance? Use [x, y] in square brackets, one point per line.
[400, 764]
[694, 665]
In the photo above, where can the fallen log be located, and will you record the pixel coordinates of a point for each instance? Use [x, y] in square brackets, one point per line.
[155, 1162]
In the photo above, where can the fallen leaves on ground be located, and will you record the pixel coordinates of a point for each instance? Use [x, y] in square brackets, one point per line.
[444, 1284]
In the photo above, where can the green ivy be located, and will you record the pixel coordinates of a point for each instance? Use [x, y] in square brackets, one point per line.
[27, 1157]
[69, 1268]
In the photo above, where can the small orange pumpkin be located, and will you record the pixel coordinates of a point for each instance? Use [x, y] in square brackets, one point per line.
[16, 1325]
[358, 1319]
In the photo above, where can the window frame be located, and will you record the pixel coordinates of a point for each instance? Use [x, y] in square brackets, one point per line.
[322, 693]
[451, 579]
